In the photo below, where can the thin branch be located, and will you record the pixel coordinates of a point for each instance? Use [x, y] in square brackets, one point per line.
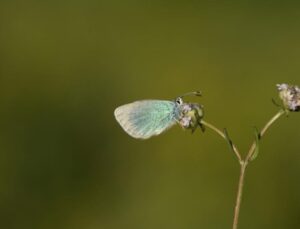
[244, 165]
[263, 131]
[239, 196]
[221, 133]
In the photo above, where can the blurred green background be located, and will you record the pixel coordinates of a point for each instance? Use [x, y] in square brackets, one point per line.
[66, 65]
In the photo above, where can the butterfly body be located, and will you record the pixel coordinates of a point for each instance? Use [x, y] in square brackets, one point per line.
[146, 118]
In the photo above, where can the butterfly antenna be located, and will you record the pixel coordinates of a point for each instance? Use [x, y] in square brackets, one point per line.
[194, 93]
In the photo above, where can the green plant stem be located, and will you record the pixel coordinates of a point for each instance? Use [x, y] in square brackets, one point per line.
[263, 131]
[243, 163]
[239, 196]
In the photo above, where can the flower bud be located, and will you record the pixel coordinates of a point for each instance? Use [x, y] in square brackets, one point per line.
[191, 116]
[186, 122]
[290, 96]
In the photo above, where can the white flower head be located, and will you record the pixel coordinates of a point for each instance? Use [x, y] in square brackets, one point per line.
[290, 96]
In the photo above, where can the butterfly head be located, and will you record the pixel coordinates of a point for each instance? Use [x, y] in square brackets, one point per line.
[190, 114]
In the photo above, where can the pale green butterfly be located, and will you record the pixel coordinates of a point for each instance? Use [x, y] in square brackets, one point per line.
[146, 118]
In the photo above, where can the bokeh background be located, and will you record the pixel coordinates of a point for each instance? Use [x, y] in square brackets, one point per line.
[66, 65]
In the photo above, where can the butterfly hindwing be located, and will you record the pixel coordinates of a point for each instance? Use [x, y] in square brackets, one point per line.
[146, 118]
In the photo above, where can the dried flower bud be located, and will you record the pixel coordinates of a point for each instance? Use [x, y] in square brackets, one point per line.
[185, 122]
[186, 107]
[290, 96]
[191, 115]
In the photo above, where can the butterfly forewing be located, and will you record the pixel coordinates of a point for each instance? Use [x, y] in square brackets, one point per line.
[146, 118]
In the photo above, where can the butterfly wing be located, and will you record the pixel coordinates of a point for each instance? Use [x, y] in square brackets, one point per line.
[146, 118]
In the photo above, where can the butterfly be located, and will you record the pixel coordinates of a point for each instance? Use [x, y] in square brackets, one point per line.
[146, 118]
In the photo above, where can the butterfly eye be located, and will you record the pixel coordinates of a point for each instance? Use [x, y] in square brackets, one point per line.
[179, 101]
